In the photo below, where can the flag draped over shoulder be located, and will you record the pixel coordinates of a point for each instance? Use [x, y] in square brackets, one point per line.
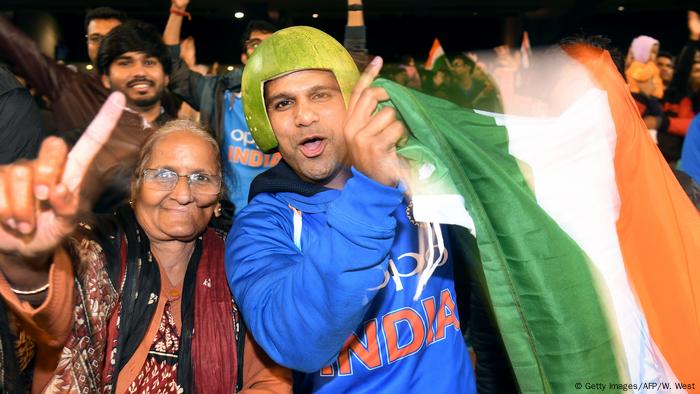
[589, 248]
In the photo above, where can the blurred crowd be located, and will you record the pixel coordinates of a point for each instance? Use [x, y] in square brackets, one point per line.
[182, 119]
[665, 85]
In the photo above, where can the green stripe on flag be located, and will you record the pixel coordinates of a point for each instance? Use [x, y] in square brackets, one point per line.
[538, 279]
[439, 62]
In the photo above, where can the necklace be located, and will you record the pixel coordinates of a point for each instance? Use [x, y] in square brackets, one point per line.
[409, 213]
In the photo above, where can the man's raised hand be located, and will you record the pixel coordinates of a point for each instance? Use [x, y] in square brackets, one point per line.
[180, 4]
[694, 25]
[371, 138]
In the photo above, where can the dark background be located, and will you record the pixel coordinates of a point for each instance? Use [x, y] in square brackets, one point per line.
[395, 28]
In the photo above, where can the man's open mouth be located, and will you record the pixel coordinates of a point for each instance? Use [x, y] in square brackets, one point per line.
[312, 146]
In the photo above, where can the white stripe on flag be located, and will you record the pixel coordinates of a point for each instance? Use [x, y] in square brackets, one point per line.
[571, 158]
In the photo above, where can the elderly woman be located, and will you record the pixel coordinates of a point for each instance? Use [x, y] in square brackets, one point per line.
[136, 302]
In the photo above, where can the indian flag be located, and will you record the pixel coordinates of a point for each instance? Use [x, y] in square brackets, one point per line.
[589, 247]
[436, 57]
[525, 51]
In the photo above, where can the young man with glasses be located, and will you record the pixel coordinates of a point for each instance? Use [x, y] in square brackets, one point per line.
[75, 96]
[98, 23]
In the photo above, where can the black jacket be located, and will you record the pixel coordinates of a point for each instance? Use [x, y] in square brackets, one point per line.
[20, 122]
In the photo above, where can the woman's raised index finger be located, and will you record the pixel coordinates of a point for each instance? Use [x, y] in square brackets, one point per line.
[92, 140]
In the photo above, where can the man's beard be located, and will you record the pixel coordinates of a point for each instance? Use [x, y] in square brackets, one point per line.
[146, 102]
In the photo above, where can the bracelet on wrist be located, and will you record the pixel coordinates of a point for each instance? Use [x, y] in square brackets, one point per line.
[175, 11]
[31, 292]
[355, 7]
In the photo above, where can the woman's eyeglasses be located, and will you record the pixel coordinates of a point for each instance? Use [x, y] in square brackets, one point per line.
[166, 180]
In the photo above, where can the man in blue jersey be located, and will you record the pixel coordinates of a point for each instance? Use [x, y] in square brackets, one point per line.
[325, 258]
[218, 98]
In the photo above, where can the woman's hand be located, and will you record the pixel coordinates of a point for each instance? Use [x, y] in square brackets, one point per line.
[39, 199]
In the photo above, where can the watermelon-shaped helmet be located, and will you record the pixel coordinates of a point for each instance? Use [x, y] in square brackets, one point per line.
[288, 50]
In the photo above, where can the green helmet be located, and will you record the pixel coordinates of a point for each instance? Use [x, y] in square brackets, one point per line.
[288, 50]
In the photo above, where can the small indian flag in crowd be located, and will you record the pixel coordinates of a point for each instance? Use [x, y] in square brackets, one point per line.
[525, 51]
[589, 248]
[436, 57]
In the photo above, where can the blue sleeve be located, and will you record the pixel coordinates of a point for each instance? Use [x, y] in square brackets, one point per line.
[690, 156]
[301, 307]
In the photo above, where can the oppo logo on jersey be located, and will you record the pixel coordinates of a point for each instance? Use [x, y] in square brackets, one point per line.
[407, 265]
[243, 137]
[402, 333]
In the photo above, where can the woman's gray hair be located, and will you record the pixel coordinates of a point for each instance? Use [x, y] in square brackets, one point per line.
[173, 126]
